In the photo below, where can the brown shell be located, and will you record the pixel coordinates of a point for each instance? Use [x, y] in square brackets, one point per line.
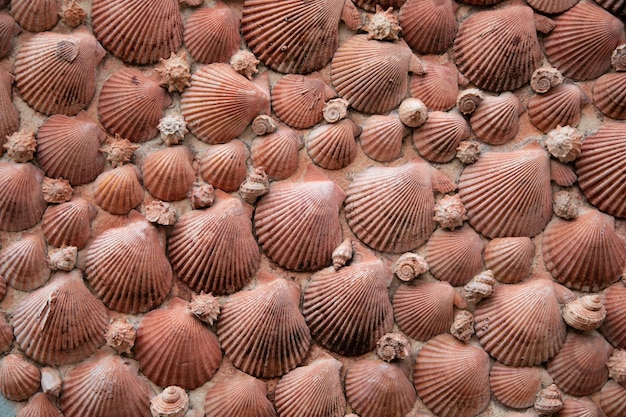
[40, 406]
[508, 193]
[503, 57]
[106, 387]
[438, 88]
[381, 137]
[267, 316]
[62, 322]
[428, 26]
[333, 146]
[221, 103]
[516, 387]
[6, 331]
[211, 33]
[118, 191]
[21, 201]
[510, 258]
[9, 117]
[8, 29]
[19, 379]
[521, 324]
[224, 166]
[609, 94]
[68, 224]
[178, 332]
[583, 41]
[579, 408]
[561, 106]
[213, 250]
[496, 120]
[452, 378]
[575, 251]
[551, 6]
[437, 139]
[378, 389]
[614, 6]
[612, 399]
[136, 31]
[579, 367]
[277, 152]
[56, 73]
[614, 327]
[454, 256]
[239, 395]
[24, 265]
[35, 15]
[168, 173]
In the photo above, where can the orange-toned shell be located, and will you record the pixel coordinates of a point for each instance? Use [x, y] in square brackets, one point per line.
[333, 146]
[425, 309]
[584, 313]
[583, 41]
[277, 152]
[118, 191]
[438, 138]
[373, 75]
[6, 331]
[579, 408]
[614, 6]
[8, 29]
[62, 322]
[19, 379]
[428, 26]
[521, 324]
[481, 2]
[297, 222]
[614, 328]
[221, 103]
[552, 6]
[238, 395]
[379, 389]
[454, 255]
[452, 378]
[438, 88]
[35, 15]
[9, 117]
[609, 94]
[579, 367]
[407, 193]
[213, 250]
[509, 258]
[562, 174]
[516, 387]
[496, 120]
[262, 330]
[576, 252]
[106, 387]
[349, 310]
[39, 406]
[24, 265]
[312, 390]
[381, 137]
[168, 174]
[67, 224]
[612, 399]
[178, 332]
[56, 73]
[21, 202]
[224, 166]
[212, 33]
[138, 32]
[508, 193]
[561, 106]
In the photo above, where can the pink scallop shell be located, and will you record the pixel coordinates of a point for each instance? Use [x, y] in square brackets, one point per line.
[224, 166]
[579, 408]
[68, 224]
[118, 191]
[438, 88]
[19, 379]
[8, 29]
[437, 139]
[381, 137]
[510, 258]
[614, 327]
[333, 146]
[612, 399]
[277, 153]
[614, 6]
[211, 33]
[21, 201]
[9, 117]
[24, 265]
[454, 256]
[39, 406]
[562, 174]
[239, 395]
[35, 15]
[516, 387]
[6, 332]
[168, 173]
[561, 106]
[609, 94]
[496, 120]
[551, 6]
[428, 26]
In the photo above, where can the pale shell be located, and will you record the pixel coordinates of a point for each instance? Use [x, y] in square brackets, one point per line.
[428, 26]
[172, 402]
[454, 256]
[118, 191]
[23, 265]
[238, 395]
[564, 143]
[496, 120]
[381, 137]
[211, 33]
[39, 406]
[409, 266]
[224, 166]
[510, 258]
[333, 146]
[168, 173]
[609, 93]
[343, 254]
[120, 335]
[585, 313]
[437, 140]
[277, 153]
[370, 5]
[549, 401]
[560, 106]
[21, 202]
[19, 379]
[545, 79]
[68, 224]
[516, 387]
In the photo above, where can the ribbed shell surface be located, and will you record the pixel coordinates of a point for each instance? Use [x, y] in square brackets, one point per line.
[9, 117]
[118, 191]
[428, 26]
[68, 224]
[240, 395]
[224, 165]
[23, 264]
[211, 33]
[454, 255]
[277, 153]
[21, 201]
[35, 15]
[609, 95]
[299, 99]
[561, 106]
[168, 173]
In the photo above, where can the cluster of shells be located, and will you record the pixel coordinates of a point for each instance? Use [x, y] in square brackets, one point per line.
[313, 208]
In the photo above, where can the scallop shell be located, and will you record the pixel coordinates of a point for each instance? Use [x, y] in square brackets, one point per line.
[239, 395]
[407, 192]
[583, 41]
[508, 193]
[498, 49]
[579, 367]
[428, 26]
[496, 120]
[35, 15]
[521, 324]
[373, 75]
[21, 201]
[67, 224]
[6, 331]
[138, 32]
[62, 322]
[9, 117]
[333, 146]
[299, 99]
[614, 328]
[516, 387]
[56, 73]
[439, 137]
[213, 250]
[19, 379]
[551, 6]
[178, 332]
[510, 258]
[349, 310]
[297, 222]
[118, 191]
[438, 88]
[454, 256]
[106, 387]
[267, 316]
[23, 265]
[221, 103]
[575, 251]
[277, 153]
[612, 400]
[579, 408]
[561, 106]
[168, 173]
[311, 391]
[224, 166]
[609, 94]
[614, 6]
[8, 29]
[452, 378]
[40, 406]
[211, 33]
[378, 389]
[562, 174]
[381, 137]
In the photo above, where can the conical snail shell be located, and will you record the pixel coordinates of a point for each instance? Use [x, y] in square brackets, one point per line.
[585, 313]
[172, 402]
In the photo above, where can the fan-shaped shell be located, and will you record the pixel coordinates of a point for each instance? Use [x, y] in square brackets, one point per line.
[106, 387]
[56, 73]
[333, 146]
[438, 88]
[579, 408]
[40, 406]
[379, 389]
[19, 379]
[118, 191]
[551, 6]
[585, 253]
[428, 26]
[521, 324]
[614, 327]
[21, 201]
[381, 137]
[35, 15]
[496, 120]
[612, 399]
[24, 265]
[561, 106]
[8, 28]
[62, 322]
[167, 347]
[509, 258]
[262, 330]
[221, 103]
[211, 33]
[614, 6]
[168, 173]
[438, 138]
[349, 310]
[224, 166]
[138, 32]
[562, 174]
[213, 250]
[67, 224]
[583, 41]
[609, 95]
[6, 331]
[240, 395]
[131, 105]
[579, 367]
[516, 387]
[454, 256]
[508, 193]
[297, 222]
[277, 153]
[452, 378]
[9, 117]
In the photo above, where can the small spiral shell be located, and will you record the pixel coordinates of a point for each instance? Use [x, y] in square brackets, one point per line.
[335, 110]
[585, 313]
[618, 59]
[481, 286]
[172, 402]
[383, 25]
[263, 125]
[564, 143]
[413, 112]
[545, 79]
[392, 346]
[463, 326]
[342, 254]
[410, 265]
[549, 401]
[468, 100]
